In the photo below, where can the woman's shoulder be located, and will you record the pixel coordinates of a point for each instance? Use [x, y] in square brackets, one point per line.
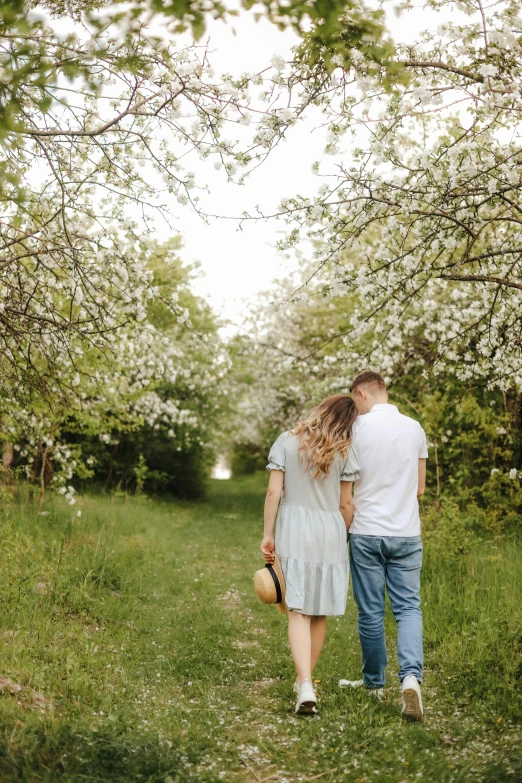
[285, 436]
[286, 440]
[278, 452]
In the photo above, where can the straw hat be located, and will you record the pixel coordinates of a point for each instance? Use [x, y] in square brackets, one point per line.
[269, 584]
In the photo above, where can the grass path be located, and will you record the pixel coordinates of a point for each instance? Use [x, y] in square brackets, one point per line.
[134, 649]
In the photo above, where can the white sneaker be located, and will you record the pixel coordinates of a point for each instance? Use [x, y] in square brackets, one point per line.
[411, 698]
[377, 692]
[306, 698]
[351, 683]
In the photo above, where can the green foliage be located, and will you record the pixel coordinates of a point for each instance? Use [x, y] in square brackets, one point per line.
[498, 503]
[149, 460]
[450, 532]
[141, 473]
[247, 458]
[348, 30]
[476, 439]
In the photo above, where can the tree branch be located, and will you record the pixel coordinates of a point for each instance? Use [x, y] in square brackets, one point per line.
[483, 279]
[442, 66]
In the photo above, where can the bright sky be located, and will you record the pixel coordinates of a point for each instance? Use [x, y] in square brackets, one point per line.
[240, 263]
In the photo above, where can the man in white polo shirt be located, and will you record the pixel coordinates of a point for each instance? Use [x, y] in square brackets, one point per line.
[385, 542]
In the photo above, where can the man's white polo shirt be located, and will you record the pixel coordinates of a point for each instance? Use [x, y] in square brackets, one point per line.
[388, 446]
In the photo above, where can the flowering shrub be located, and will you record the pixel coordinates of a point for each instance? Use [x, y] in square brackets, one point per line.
[158, 401]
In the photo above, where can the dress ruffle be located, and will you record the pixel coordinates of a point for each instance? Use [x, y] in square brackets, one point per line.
[277, 456]
[274, 466]
[315, 588]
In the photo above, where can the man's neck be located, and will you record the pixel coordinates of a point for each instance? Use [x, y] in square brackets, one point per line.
[377, 401]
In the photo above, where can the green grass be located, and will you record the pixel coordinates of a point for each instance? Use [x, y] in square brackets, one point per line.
[143, 655]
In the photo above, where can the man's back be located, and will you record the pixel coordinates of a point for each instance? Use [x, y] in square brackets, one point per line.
[388, 446]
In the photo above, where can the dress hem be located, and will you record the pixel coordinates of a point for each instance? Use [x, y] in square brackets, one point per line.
[317, 614]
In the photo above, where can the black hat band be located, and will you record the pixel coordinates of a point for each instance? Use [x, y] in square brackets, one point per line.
[274, 576]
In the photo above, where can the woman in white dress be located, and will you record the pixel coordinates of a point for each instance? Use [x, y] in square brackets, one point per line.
[312, 468]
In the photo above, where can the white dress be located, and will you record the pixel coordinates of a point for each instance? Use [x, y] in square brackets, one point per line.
[310, 537]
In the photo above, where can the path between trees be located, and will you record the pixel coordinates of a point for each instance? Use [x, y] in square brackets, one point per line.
[156, 662]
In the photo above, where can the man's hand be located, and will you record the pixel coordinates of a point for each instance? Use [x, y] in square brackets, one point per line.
[268, 549]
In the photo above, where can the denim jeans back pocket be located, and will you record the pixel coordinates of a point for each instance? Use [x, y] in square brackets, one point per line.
[365, 550]
[410, 553]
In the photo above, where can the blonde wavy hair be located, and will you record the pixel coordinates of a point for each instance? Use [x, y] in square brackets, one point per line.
[326, 432]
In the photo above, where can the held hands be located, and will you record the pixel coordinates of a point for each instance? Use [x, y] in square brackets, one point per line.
[268, 549]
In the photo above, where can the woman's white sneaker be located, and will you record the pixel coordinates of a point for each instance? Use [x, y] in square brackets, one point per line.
[306, 699]
[411, 698]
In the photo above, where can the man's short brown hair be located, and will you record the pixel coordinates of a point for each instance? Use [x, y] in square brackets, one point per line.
[368, 378]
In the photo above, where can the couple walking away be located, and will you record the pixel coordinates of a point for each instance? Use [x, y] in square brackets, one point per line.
[354, 464]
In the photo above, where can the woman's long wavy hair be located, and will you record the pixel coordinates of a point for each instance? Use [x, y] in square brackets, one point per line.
[326, 432]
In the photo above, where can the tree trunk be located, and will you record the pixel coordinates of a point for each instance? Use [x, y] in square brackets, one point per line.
[437, 478]
[108, 480]
[42, 478]
[34, 472]
[7, 456]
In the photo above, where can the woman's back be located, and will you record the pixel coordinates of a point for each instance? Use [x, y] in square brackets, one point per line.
[300, 488]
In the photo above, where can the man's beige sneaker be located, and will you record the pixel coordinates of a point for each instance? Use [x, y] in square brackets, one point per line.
[411, 698]
[306, 699]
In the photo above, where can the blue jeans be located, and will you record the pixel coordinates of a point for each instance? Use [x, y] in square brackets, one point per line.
[395, 562]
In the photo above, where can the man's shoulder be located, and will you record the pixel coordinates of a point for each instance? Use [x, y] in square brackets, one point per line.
[409, 421]
[409, 426]
[368, 423]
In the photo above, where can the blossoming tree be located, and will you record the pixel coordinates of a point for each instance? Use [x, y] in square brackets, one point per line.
[428, 204]
[100, 113]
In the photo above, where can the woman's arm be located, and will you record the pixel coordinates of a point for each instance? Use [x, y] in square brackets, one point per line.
[273, 496]
[422, 478]
[346, 503]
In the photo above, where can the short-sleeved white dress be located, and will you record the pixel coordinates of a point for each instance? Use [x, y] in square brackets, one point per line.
[310, 537]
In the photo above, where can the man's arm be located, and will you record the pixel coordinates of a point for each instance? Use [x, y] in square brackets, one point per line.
[422, 477]
[346, 503]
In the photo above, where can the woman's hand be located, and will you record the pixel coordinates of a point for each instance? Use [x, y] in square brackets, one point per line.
[268, 549]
